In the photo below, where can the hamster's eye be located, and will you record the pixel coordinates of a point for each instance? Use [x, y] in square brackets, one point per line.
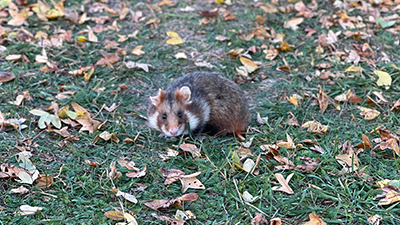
[164, 116]
[180, 114]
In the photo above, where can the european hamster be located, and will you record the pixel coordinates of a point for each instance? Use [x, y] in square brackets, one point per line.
[207, 101]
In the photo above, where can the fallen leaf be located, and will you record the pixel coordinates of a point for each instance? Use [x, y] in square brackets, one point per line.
[114, 215]
[125, 195]
[293, 23]
[248, 64]
[190, 181]
[175, 38]
[20, 190]
[284, 182]
[6, 76]
[384, 79]
[375, 219]
[45, 181]
[314, 220]
[369, 114]
[28, 210]
[138, 50]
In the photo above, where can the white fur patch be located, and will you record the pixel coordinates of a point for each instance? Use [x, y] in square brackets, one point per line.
[168, 134]
[193, 120]
[152, 121]
[206, 113]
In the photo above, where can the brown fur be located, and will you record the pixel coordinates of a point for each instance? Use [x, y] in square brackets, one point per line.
[228, 109]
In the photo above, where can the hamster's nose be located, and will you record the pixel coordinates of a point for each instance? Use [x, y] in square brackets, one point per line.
[173, 131]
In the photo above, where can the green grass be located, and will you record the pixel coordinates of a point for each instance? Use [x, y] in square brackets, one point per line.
[81, 194]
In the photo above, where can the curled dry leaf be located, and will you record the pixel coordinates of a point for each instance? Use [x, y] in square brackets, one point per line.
[284, 182]
[138, 50]
[350, 97]
[391, 195]
[137, 174]
[114, 174]
[310, 164]
[6, 76]
[369, 114]
[396, 105]
[93, 164]
[293, 120]
[259, 219]
[190, 181]
[184, 215]
[125, 195]
[20, 190]
[288, 144]
[293, 23]
[171, 175]
[375, 219]
[365, 143]
[28, 210]
[191, 148]
[314, 220]
[261, 120]
[315, 127]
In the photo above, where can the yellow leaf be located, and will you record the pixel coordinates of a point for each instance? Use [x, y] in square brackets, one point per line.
[175, 38]
[114, 215]
[250, 65]
[354, 69]
[82, 39]
[384, 79]
[220, 1]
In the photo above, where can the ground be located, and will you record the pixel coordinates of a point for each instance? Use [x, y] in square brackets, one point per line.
[81, 194]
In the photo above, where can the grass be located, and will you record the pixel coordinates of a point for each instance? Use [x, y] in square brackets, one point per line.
[81, 194]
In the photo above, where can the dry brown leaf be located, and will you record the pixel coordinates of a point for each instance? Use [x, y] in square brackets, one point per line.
[315, 127]
[314, 220]
[284, 182]
[190, 181]
[109, 58]
[191, 148]
[258, 219]
[365, 143]
[288, 144]
[369, 114]
[45, 181]
[392, 195]
[20, 190]
[138, 50]
[375, 219]
[171, 175]
[91, 163]
[6, 76]
[137, 174]
[114, 174]
[293, 23]
[310, 164]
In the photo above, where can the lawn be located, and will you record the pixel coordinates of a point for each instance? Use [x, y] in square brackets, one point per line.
[322, 82]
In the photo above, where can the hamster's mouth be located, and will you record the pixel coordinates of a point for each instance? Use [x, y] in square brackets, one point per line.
[181, 130]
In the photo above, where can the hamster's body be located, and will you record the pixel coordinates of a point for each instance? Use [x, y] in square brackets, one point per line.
[205, 100]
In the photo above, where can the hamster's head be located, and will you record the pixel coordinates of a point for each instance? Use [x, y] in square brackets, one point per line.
[168, 112]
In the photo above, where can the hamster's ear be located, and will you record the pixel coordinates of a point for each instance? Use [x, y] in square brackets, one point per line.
[183, 95]
[157, 100]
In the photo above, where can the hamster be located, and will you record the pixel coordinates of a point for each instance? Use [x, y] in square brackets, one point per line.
[204, 100]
